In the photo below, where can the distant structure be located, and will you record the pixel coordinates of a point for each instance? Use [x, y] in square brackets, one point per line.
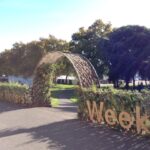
[21, 80]
[4, 78]
[63, 79]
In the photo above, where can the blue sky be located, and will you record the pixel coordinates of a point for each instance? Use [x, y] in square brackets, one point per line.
[27, 20]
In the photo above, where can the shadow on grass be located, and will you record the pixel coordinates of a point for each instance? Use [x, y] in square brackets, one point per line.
[77, 135]
[63, 94]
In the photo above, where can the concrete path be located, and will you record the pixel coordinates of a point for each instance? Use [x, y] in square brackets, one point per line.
[58, 129]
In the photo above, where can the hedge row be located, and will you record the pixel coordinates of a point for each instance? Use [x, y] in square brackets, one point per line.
[15, 93]
[118, 100]
[40, 92]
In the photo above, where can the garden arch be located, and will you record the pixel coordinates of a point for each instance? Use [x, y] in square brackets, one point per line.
[84, 69]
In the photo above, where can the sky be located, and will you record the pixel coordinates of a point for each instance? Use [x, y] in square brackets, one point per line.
[28, 20]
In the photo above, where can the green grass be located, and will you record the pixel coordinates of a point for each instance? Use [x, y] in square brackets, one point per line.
[11, 84]
[74, 100]
[57, 87]
[54, 102]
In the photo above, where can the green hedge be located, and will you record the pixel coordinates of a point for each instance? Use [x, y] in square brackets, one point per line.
[15, 93]
[120, 100]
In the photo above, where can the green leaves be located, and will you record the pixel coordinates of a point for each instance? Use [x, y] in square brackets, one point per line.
[120, 100]
[85, 42]
[22, 59]
[127, 53]
[15, 93]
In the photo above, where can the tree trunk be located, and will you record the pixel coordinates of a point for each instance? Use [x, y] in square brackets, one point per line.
[66, 78]
[127, 84]
[114, 84]
[146, 83]
[133, 83]
[117, 84]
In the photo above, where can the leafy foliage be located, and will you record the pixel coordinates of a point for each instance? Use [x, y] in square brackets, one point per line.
[119, 100]
[15, 93]
[22, 59]
[41, 85]
[127, 53]
[85, 42]
[45, 78]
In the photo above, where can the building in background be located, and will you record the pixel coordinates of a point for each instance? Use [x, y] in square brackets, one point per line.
[63, 79]
[18, 79]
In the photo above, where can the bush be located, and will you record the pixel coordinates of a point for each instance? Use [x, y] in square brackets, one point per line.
[120, 100]
[40, 92]
[15, 93]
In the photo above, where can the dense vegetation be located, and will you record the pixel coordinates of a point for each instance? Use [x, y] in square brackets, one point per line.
[120, 53]
[15, 93]
[22, 59]
[85, 42]
[20, 94]
[127, 53]
[45, 78]
[116, 100]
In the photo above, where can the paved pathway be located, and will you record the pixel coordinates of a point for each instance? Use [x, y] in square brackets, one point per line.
[58, 129]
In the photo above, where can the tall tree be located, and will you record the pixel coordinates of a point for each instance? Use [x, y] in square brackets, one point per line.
[85, 42]
[22, 59]
[125, 51]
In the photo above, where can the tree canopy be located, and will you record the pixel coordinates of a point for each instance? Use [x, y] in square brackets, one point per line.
[120, 53]
[22, 59]
[85, 42]
[127, 52]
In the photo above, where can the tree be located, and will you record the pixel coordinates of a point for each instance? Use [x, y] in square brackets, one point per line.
[5, 62]
[22, 59]
[51, 43]
[125, 51]
[85, 42]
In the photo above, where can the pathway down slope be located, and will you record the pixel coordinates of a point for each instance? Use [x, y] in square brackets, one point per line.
[59, 129]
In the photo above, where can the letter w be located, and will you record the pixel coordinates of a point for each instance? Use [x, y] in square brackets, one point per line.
[94, 112]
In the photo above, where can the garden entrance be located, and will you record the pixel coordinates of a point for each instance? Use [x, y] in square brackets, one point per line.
[85, 72]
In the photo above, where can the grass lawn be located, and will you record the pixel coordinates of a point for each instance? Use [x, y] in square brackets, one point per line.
[74, 100]
[55, 102]
[58, 89]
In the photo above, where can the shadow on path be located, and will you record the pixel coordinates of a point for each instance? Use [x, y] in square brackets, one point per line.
[77, 135]
[68, 107]
[64, 94]
[7, 106]
[64, 97]
[68, 134]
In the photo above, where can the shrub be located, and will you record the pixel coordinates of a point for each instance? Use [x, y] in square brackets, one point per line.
[15, 93]
[120, 100]
[40, 92]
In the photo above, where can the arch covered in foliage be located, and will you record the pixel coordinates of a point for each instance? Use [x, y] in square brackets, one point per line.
[84, 69]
